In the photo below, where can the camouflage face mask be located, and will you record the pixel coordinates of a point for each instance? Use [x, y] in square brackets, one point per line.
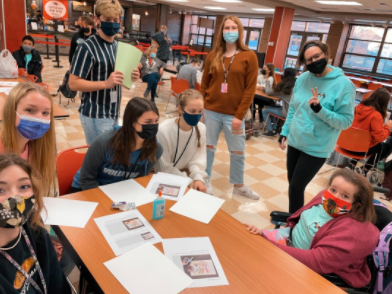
[15, 211]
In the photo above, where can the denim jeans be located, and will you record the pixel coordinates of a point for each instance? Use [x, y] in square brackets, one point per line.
[271, 122]
[93, 127]
[152, 83]
[214, 122]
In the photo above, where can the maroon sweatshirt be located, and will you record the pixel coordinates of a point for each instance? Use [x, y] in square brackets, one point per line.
[340, 246]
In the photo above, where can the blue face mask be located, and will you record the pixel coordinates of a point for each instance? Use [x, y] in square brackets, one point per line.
[152, 55]
[191, 119]
[32, 128]
[27, 49]
[110, 28]
[230, 37]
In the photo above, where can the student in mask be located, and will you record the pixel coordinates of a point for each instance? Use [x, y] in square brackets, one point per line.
[162, 41]
[334, 232]
[78, 38]
[122, 153]
[28, 261]
[92, 72]
[39, 15]
[29, 58]
[27, 130]
[189, 72]
[228, 87]
[322, 105]
[184, 141]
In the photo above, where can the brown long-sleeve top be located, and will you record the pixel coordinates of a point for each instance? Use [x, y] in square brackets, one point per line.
[241, 80]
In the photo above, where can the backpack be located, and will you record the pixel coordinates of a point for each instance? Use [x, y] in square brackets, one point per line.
[383, 260]
[65, 90]
[387, 183]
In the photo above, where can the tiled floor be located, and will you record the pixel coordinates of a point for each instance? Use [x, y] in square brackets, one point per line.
[265, 168]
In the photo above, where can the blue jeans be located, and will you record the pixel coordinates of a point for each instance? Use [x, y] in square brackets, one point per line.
[214, 122]
[152, 83]
[93, 127]
[271, 122]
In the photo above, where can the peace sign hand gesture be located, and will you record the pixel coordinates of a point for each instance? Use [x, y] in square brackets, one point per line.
[314, 100]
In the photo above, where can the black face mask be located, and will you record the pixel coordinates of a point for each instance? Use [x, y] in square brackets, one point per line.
[263, 72]
[86, 30]
[148, 131]
[318, 66]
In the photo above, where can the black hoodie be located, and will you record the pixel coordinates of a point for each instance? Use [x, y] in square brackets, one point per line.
[35, 64]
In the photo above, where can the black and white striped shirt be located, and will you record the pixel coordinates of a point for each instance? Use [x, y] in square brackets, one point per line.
[94, 60]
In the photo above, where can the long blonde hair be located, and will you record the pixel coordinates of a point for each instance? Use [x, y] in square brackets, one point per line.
[220, 46]
[149, 49]
[42, 151]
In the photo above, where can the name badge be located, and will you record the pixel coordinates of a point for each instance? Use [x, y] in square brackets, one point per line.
[113, 97]
[224, 88]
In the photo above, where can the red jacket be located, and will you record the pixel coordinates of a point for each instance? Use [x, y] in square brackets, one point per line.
[368, 119]
[340, 247]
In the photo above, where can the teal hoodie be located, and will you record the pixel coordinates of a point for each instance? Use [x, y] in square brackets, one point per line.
[316, 133]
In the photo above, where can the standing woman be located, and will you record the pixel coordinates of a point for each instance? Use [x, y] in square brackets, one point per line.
[228, 86]
[163, 42]
[321, 107]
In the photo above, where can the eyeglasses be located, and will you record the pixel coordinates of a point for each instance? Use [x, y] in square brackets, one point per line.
[315, 57]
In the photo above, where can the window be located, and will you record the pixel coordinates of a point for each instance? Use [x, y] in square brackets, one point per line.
[201, 36]
[369, 49]
[253, 28]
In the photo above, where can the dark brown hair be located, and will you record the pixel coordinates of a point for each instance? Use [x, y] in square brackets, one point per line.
[87, 20]
[183, 100]
[362, 208]
[301, 56]
[123, 141]
[287, 83]
[271, 68]
[379, 100]
[10, 159]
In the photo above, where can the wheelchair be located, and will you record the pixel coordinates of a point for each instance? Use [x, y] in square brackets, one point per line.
[384, 217]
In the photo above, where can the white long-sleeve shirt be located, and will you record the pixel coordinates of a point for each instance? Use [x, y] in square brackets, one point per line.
[194, 158]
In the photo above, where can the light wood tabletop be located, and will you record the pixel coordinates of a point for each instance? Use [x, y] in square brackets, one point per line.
[261, 93]
[251, 263]
[58, 112]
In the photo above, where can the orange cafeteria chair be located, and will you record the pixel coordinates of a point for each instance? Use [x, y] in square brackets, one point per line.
[68, 162]
[31, 78]
[177, 87]
[198, 86]
[21, 72]
[374, 86]
[277, 117]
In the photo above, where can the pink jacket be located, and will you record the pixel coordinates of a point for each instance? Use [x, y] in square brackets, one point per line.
[340, 247]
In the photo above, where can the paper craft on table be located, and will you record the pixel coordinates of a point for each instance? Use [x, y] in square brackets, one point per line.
[196, 257]
[129, 191]
[127, 230]
[127, 59]
[173, 187]
[145, 270]
[5, 90]
[8, 84]
[66, 212]
[198, 206]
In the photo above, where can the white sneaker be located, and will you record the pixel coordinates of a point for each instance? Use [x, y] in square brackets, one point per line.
[207, 182]
[246, 191]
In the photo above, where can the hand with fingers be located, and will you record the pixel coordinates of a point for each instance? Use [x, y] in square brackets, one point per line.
[314, 102]
[253, 229]
[115, 78]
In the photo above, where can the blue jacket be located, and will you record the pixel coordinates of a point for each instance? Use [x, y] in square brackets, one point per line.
[316, 133]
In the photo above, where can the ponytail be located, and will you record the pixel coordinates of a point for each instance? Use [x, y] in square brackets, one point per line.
[198, 136]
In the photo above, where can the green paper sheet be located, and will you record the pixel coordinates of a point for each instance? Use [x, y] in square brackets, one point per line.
[127, 59]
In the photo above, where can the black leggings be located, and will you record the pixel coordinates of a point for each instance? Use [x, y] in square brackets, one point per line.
[301, 168]
[380, 151]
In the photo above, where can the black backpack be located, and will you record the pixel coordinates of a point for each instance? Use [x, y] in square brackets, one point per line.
[64, 89]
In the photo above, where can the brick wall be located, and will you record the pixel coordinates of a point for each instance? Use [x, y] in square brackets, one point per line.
[147, 22]
[340, 38]
[263, 45]
[186, 29]
[333, 40]
[174, 26]
[218, 23]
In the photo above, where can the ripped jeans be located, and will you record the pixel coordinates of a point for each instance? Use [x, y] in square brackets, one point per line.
[214, 122]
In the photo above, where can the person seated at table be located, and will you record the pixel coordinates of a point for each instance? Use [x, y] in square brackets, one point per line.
[189, 72]
[267, 74]
[151, 69]
[184, 141]
[370, 116]
[334, 232]
[84, 33]
[28, 130]
[283, 90]
[126, 152]
[29, 58]
[28, 261]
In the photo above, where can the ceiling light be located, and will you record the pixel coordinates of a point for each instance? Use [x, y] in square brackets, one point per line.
[170, 11]
[228, 1]
[332, 21]
[264, 9]
[385, 25]
[214, 8]
[179, 11]
[339, 2]
[372, 24]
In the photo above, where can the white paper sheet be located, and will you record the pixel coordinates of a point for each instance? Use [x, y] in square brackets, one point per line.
[66, 212]
[5, 90]
[145, 270]
[197, 258]
[173, 187]
[198, 206]
[127, 230]
[129, 191]
[8, 84]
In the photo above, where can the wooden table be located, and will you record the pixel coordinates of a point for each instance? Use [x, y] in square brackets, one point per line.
[58, 112]
[260, 93]
[251, 263]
